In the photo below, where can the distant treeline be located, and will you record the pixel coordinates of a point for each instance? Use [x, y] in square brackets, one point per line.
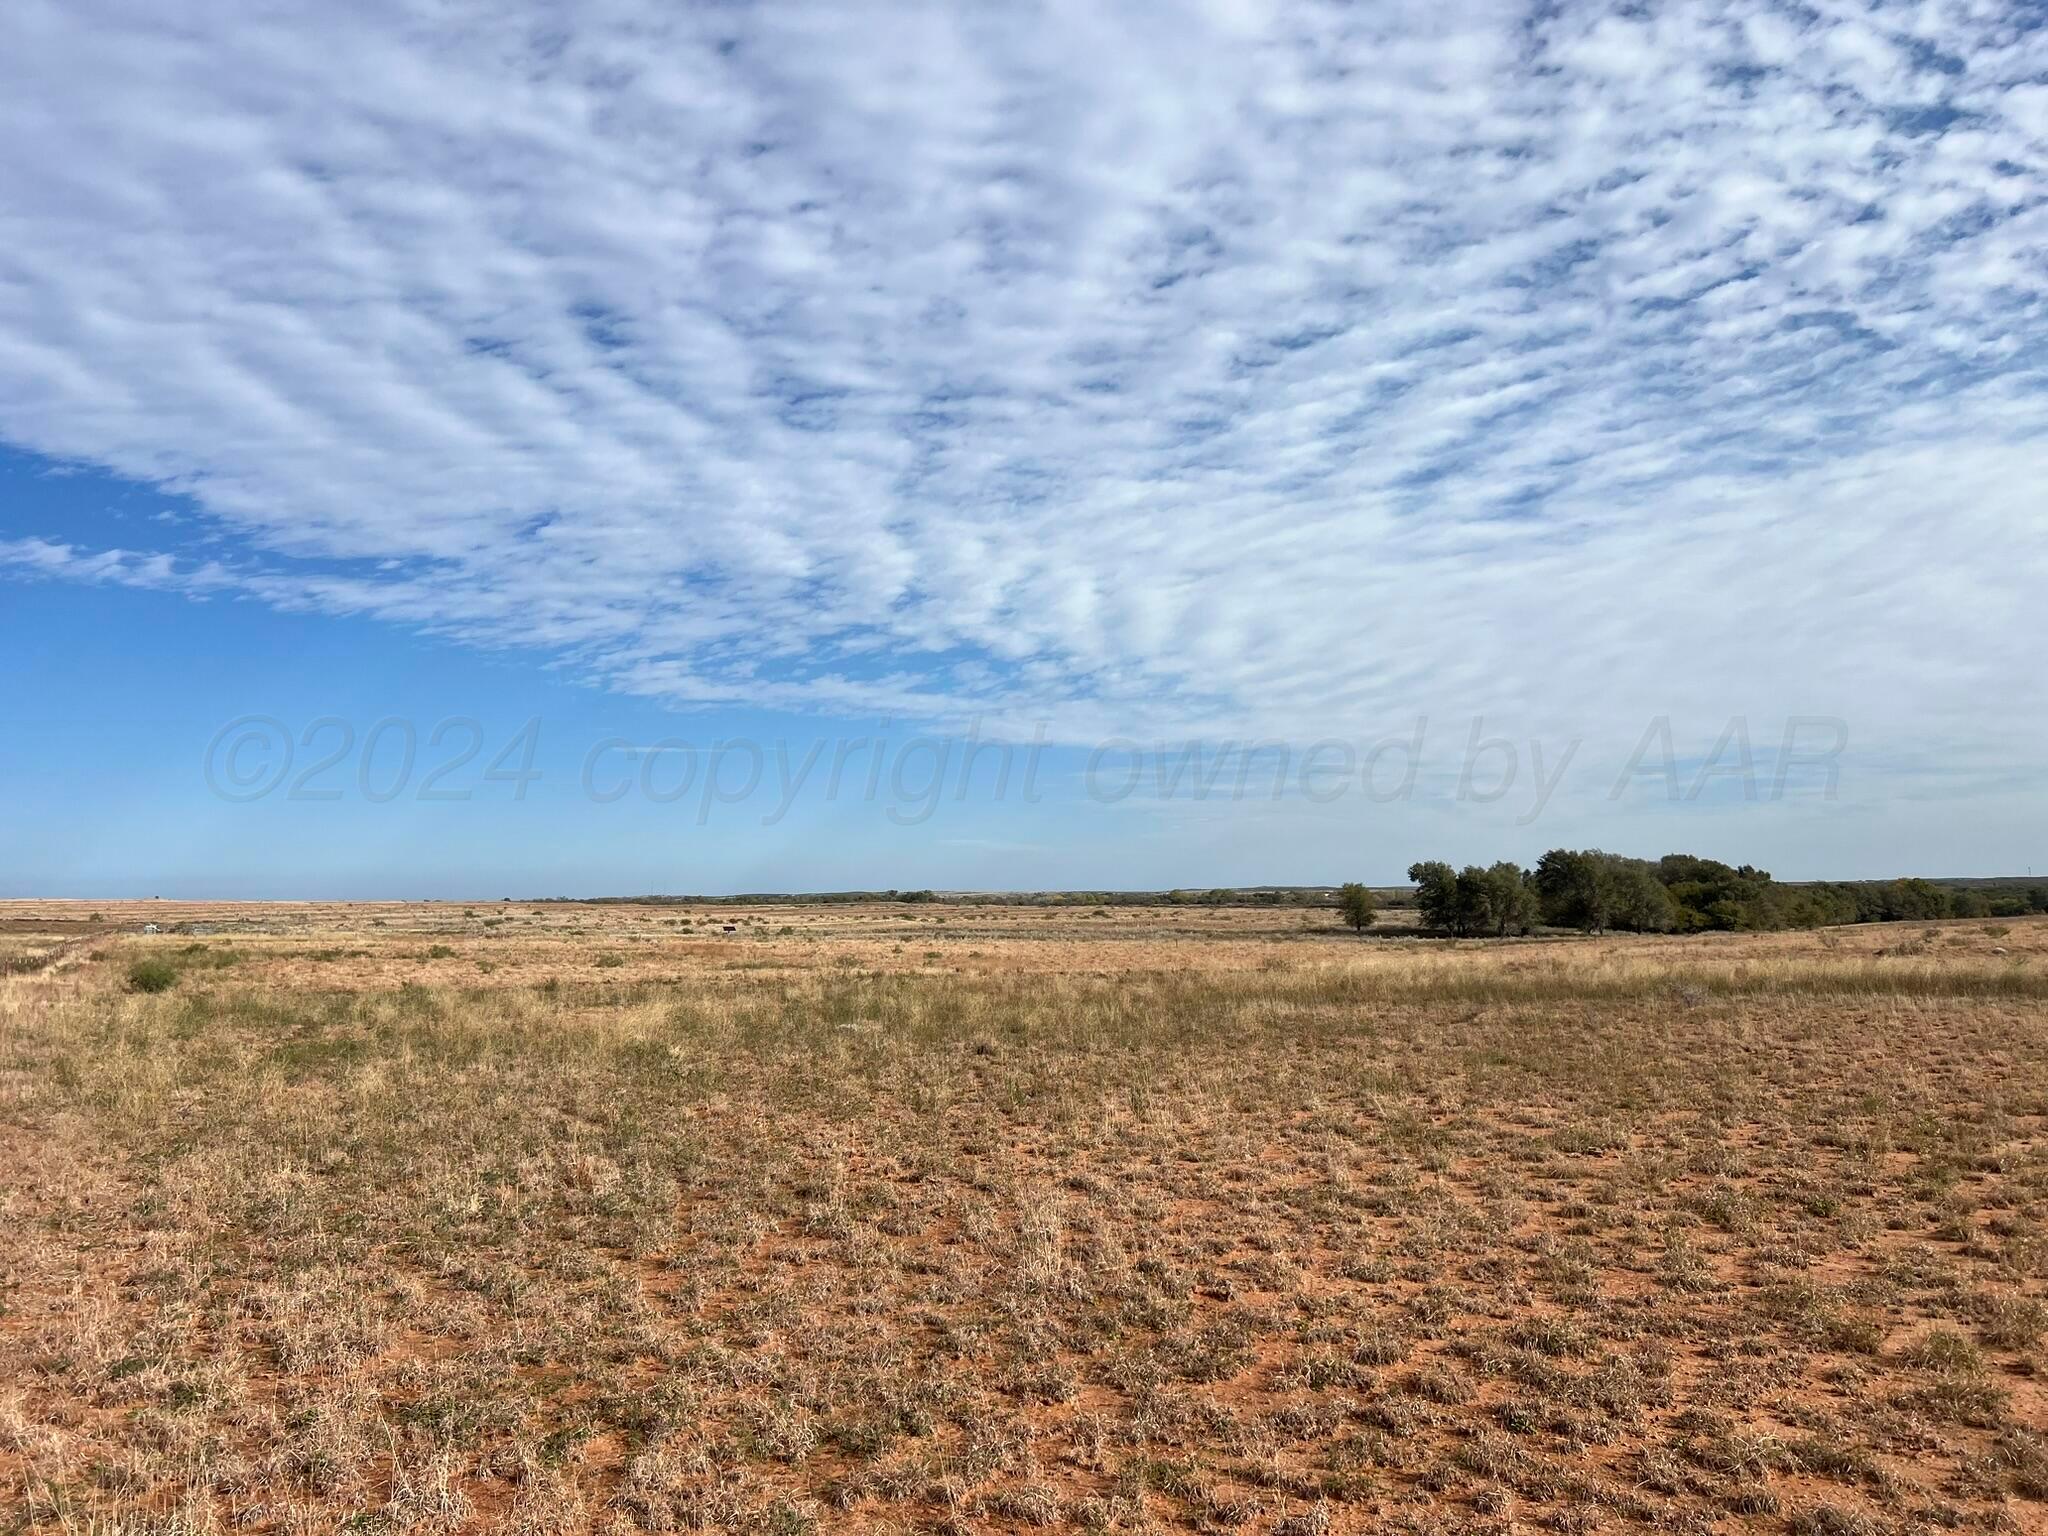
[743, 899]
[1250, 895]
[1585, 889]
[1682, 893]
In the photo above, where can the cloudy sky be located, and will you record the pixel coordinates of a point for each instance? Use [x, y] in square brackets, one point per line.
[1104, 371]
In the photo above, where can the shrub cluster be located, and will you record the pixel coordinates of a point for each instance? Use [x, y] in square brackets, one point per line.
[152, 976]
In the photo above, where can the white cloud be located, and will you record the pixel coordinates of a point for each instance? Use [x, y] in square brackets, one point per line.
[1294, 367]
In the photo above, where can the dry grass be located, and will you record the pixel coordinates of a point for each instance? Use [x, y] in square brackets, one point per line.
[983, 1219]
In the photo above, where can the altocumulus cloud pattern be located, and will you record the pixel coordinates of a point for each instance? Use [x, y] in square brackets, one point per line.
[1253, 367]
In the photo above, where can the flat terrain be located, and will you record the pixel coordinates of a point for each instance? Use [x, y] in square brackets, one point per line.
[925, 1217]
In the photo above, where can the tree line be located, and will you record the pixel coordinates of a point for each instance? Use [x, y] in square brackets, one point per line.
[1595, 891]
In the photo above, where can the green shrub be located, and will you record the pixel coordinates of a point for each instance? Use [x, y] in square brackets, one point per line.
[152, 976]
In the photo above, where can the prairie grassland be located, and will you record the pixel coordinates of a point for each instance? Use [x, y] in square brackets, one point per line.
[982, 1219]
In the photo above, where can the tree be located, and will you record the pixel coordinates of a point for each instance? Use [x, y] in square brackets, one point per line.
[1471, 901]
[1510, 901]
[1468, 902]
[1357, 905]
[1636, 899]
[1595, 891]
[1572, 892]
[1436, 893]
[1912, 901]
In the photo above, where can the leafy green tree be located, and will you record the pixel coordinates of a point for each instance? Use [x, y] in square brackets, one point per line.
[1436, 893]
[1473, 900]
[1912, 901]
[1469, 913]
[1510, 901]
[1595, 891]
[1571, 890]
[1636, 899]
[1356, 903]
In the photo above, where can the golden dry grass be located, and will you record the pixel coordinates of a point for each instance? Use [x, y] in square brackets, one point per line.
[568, 1218]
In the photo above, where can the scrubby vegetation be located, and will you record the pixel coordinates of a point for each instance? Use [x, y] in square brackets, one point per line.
[937, 1219]
[152, 975]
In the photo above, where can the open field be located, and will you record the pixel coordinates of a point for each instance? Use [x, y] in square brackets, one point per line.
[909, 1218]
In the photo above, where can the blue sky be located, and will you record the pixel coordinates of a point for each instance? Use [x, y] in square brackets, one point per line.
[1107, 377]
